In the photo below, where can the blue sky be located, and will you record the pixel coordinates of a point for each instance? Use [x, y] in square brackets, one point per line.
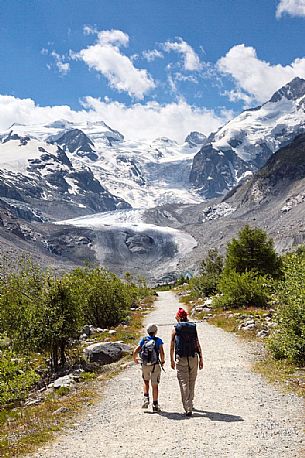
[146, 67]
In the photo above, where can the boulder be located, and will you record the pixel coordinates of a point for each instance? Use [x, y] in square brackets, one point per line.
[198, 308]
[208, 302]
[106, 352]
[249, 327]
[61, 410]
[63, 382]
[263, 333]
[88, 329]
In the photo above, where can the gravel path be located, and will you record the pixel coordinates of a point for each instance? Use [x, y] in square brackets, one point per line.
[238, 414]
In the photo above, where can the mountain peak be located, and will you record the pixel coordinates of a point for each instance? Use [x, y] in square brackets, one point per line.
[291, 91]
[195, 138]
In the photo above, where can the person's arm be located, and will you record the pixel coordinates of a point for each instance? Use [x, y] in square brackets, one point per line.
[162, 355]
[200, 354]
[135, 354]
[172, 350]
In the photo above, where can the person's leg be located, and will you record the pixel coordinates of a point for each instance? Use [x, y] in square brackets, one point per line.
[146, 378]
[155, 380]
[146, 388]
[193, 369]
[183, 378]
[155, 390]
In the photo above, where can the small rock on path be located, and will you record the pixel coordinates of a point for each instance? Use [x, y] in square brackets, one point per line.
[238, 414]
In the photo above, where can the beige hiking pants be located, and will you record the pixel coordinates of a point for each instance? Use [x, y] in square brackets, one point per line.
[187, 368]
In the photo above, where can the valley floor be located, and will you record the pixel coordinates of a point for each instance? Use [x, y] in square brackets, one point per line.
[237, 413]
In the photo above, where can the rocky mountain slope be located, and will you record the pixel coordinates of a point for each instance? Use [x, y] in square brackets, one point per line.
[273, 199]
[246, 142]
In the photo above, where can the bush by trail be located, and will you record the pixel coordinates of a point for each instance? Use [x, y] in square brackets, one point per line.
[245, 289]
[288, 341]
[211, 268]
[16, 377]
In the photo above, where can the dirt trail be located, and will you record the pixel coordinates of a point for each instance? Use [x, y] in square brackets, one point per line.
[238, 413]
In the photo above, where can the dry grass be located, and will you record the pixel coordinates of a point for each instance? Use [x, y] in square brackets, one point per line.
[23, 429]
[285, 375]
[224, 322]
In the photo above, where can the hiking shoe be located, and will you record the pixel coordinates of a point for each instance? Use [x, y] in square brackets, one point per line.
[156, 408]
[145, 403]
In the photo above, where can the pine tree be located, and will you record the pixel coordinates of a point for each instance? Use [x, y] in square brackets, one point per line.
[253, 250]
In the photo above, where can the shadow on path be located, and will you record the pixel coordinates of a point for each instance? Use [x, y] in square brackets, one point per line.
[217, 416]
[213, 416]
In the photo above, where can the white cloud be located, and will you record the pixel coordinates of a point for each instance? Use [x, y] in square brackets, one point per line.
[174, 120]
[292, 7]
[62, 66]
[190, 78]
[236, 95]
[106, 58]
[191, 60]
[258, 78]
[114, 37]
[25, 111]
[88, 30]
[59, 60]
[152, 55]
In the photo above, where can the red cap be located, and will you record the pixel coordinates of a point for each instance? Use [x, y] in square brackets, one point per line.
[181, 314]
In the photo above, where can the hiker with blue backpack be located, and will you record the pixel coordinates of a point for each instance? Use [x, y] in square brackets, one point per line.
[152, 358]
[186, 357]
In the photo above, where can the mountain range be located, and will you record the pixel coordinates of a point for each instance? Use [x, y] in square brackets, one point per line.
[152, 204]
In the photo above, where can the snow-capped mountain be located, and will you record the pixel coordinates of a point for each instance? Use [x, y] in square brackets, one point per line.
[42, 175]
[245, 143]
[72, 170]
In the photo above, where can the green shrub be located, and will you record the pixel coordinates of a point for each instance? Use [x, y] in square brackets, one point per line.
[203, 286]
[210, 270]
[253, 250]
[16, 378]
[288, 341]
[243, 290]
[61, 319]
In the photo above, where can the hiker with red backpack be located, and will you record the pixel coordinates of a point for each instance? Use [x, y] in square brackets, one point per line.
[152, 357]
[186, 357]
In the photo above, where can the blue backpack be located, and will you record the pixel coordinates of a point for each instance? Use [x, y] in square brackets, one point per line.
[186, 339]
[149, 352]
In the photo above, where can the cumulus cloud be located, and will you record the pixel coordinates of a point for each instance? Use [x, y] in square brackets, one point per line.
[191, 60]
[105, 57]
[174, 120]
[258, 78]
[292, 7]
